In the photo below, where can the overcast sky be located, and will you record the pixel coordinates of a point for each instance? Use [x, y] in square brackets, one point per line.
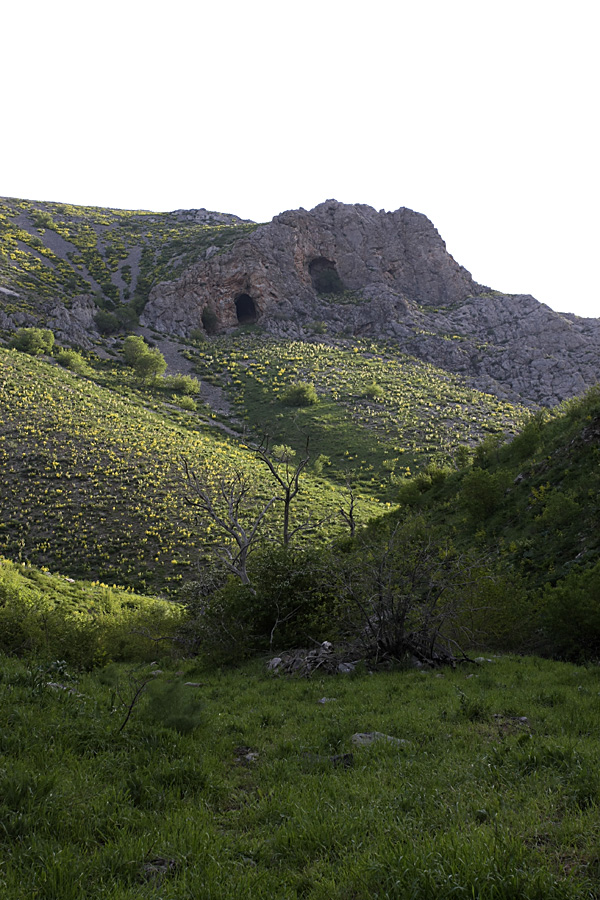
[481, 115]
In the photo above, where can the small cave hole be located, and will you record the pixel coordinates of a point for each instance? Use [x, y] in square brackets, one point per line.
[245, 309]
[324, 276]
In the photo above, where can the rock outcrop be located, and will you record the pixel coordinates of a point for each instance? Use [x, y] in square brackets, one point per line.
[74, 324]
[281, 269]
[358, 272]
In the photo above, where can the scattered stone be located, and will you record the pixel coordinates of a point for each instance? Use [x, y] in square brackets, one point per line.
[522, 719]
[346, 667]
[55, 686]
[245, 755]
[158, 867]
[483, 659]
[364, 739]
[304, 662]
[327, 700]
[340, 760]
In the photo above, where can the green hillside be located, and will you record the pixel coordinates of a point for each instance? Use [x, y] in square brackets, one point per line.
[378, 413]
[84, 624]
[54, 251]
[93, 477]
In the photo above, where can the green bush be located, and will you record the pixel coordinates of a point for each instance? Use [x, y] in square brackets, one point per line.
[134, 347]
[373, 391]
[300, 394]
[126, 316]
[43, 219]
[290, 604]
[73, 360]
[411, 491]
[181, 384]
[107, 322]
[147, 362]
[186, 402]
[482, 493]
[571, 616]
[34, 341]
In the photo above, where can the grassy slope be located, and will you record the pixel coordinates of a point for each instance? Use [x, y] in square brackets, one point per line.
[380, 413]
[51, 251]
[536, 499]
[93, 469]
[83, 623]
[479, 803]
[93, 480]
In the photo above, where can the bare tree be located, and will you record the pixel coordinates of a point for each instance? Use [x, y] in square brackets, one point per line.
[286, 472]
[410, 595]
[231, 506]
[348, 512]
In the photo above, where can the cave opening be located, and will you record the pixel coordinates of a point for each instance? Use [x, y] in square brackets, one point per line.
[245, 309]
[324, 276]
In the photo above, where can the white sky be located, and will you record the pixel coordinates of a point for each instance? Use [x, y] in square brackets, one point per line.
[483, 116]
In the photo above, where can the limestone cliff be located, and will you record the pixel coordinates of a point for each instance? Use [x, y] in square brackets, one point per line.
[358, 272]
[283, 269]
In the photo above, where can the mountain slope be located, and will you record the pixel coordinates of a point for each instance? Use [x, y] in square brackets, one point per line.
[337, 270]
[389, 276]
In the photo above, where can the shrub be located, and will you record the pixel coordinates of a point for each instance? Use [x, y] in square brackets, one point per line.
[300, 394]
[373, 391]
[409, 594]
[106, 322]
[147, 362]
[126, 316]
[134, 347]
[571, 616]
[209, 320]
[150, 365]
[291, 605]
[43, 219]
[410, 491]
[182, 384]
[72, 360]
[33, 340]
[186, 403]
[482, 493]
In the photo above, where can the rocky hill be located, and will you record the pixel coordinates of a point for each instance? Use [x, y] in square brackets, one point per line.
[388, 275]
[340, 271]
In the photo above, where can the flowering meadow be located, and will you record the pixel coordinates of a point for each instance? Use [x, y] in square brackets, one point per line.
[93, 481]
[380, 414]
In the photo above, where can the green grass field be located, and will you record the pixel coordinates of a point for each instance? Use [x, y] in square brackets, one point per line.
[232, 787]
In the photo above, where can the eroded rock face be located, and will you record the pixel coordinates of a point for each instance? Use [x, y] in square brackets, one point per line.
[388, 276]
[285, 266]
[74, 324]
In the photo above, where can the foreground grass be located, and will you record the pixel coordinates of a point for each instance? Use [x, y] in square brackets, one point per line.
[480, 802]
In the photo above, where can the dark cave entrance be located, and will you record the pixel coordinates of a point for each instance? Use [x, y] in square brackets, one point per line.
[245, 309]
[324, 276]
